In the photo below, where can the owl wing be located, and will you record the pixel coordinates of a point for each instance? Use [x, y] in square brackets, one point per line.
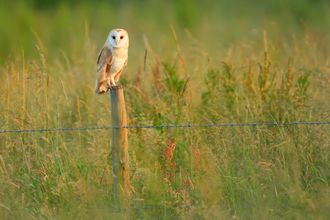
[104, 63]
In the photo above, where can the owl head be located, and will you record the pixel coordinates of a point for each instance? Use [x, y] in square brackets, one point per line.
[118, 38]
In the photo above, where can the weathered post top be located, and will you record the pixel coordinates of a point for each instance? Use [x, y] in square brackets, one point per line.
[118, 108]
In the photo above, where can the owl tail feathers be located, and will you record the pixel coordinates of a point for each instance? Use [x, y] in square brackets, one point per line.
[100, 88]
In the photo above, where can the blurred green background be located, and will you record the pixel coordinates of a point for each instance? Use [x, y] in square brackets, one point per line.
[61, 25]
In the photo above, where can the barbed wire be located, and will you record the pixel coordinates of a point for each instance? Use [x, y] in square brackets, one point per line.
[169, 126]
[225, 125]
[55, 129]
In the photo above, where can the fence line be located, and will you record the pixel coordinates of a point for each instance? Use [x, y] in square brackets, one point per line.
[169, 126]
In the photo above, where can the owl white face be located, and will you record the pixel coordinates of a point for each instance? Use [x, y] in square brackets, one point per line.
[118, 38]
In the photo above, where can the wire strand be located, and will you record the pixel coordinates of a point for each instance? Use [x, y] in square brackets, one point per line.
[169, 126]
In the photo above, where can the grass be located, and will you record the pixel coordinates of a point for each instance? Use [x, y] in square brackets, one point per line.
[237, 70]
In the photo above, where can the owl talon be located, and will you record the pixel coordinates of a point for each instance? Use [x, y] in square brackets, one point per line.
[109, 85]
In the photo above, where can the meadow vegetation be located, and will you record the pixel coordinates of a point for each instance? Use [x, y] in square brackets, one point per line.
[190, 62]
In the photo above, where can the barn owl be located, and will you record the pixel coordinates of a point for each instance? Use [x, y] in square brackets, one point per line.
[111, 61]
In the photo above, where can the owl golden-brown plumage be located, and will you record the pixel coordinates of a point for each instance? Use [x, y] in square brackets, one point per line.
[111, 60]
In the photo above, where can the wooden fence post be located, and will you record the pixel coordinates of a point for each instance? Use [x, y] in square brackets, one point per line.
[119, 149]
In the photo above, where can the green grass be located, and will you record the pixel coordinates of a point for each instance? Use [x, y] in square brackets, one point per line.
[212, 62]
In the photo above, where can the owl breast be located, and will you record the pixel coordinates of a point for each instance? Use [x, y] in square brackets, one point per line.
[119, 58]
[117, 65]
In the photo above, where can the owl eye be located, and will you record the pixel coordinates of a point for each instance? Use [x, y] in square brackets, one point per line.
[113, 37]
[121, 37]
